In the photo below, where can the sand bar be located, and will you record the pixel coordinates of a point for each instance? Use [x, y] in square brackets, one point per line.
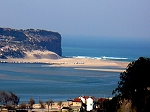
[54, 60]
[77, 63]
[104, 70]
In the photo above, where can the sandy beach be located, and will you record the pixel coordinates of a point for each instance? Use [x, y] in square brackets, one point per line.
[55, 60]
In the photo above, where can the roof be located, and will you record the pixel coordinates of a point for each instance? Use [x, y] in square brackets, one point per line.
[77, 100]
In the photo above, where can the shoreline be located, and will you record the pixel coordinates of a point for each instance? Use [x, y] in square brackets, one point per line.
[54, 60]
[69, 62]
[77, 63]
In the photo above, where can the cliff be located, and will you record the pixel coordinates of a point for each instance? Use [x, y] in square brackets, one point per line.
[13, 42]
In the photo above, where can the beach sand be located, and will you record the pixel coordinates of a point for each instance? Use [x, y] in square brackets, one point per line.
[54, 60]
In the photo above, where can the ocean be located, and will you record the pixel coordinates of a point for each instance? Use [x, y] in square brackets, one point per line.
[43, 82]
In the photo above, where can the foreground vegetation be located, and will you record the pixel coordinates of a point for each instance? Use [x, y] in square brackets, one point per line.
[133, 91]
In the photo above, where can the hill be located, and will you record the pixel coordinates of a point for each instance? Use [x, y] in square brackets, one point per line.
[14, 43]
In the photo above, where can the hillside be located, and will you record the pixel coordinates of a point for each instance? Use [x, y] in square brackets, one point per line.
[14, 43]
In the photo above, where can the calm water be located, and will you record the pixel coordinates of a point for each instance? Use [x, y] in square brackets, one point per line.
[40, 81]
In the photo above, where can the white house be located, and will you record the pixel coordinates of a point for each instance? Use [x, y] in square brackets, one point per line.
[89, 104]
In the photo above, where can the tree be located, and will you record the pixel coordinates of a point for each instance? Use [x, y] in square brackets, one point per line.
[14, 98]
[31, 102]
[41, 104]
[134, 83]
[8, 98]
[49, 103]
[22, 106]
[4, 98]
[59, 104]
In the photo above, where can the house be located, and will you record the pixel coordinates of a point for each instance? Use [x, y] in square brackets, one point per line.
[76, 105]
[77, 102]
[89, 103]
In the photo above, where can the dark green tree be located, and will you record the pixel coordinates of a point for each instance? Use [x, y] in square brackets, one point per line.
[134, 83]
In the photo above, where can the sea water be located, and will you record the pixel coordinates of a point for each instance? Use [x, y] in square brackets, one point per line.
[44, 82]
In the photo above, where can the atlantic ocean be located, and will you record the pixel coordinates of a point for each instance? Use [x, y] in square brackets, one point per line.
[111, 48]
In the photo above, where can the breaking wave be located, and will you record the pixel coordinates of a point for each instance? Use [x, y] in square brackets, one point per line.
[101, 57]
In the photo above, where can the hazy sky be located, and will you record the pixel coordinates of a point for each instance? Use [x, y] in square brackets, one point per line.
[100, 18]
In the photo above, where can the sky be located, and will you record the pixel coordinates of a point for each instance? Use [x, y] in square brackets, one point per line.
[89, 18]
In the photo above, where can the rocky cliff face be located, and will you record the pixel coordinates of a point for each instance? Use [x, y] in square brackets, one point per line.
[13, 43]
